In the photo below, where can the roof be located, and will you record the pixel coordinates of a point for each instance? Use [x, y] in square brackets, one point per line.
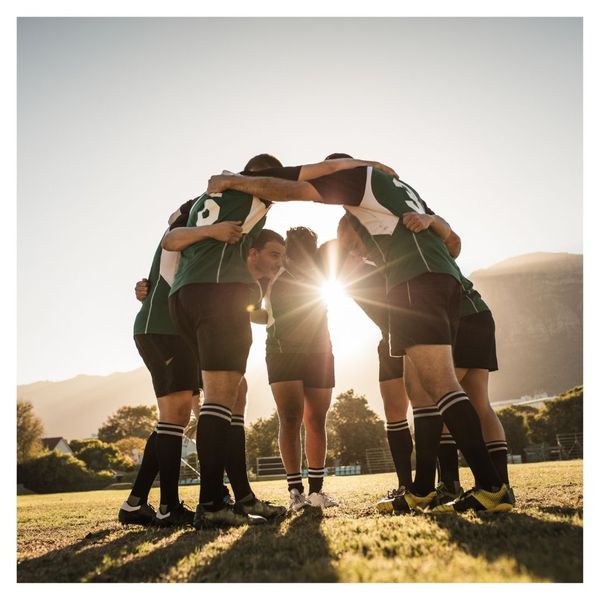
[51, 442]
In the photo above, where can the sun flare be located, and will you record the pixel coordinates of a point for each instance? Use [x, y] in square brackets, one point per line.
[332, 291]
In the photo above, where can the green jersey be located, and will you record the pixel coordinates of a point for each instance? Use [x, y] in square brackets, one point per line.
[376, 202]
[211, 261]
[154, 317]
[297, 316]
[472, 301]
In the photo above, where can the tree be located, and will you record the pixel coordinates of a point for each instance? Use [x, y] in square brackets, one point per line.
[132, 447]
[562, 415]
[129, 421]
[29, 432]
[261, 439]
[353, 427]
[56, 472]
[100, 456]
[514, 421]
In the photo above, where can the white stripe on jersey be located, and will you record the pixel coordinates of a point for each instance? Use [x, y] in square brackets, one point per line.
[257, 211]
[169, 263]
[373, 216]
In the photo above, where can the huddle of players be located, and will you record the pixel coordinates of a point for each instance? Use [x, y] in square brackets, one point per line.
[209, 301]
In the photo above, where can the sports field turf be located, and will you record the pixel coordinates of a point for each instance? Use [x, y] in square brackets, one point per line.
[76, 538]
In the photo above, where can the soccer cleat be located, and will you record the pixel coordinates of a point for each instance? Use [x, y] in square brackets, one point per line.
[263, 508]
[320, 500]
[228, 516]
[442, 502]
[297, 500]
[405, 503]
[143, 514]
[511, 493]
[484, 501]
[391, 494]
[177, 516]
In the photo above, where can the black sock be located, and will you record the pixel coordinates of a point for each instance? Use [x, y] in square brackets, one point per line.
[498, 452]
[464, 425]
[315, 479]
[168, 444]
[235, 464]
[448, 463]
[294, 481]
[214, 423]
[401, 447]
[147, 472]
[428, 428]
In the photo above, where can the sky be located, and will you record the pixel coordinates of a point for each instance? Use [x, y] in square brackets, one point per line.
[121, 120]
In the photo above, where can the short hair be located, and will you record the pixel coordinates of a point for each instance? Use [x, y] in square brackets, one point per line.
[337, 155]
[301, 244]
[266, 236]
[262, 161]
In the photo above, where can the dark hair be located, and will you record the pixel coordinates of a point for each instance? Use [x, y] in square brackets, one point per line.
[337, 155]
[301, 244]
[262, 161]
[266, 236]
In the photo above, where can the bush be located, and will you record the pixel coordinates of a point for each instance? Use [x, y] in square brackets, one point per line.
[99, 456]
[55, 472]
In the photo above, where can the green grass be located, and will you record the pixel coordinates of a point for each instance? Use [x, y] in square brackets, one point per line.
[76, 538]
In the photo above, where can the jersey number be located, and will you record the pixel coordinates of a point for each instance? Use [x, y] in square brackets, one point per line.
[414, 201]
[208, 214]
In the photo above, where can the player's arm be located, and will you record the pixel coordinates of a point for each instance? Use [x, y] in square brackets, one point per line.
[272, 189]
[417, 222]
[181, 237]
[340, 164]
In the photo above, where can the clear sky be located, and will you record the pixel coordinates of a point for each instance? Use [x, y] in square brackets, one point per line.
[122, 120]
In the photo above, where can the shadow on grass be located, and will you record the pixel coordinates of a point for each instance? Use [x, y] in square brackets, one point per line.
[79, 561]
[291, 551]
[546, 550]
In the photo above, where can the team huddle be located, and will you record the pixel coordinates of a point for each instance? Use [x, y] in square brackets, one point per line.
[217, 269]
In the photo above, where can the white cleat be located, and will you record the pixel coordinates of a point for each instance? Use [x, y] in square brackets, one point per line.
[297, 501]
[320, 499]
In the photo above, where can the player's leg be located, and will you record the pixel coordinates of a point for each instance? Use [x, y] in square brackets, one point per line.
[423, 322]
[289, 399]
[449, 475]
[395, 406]
[475, 384]
[174, 375]
[318, 380]
[236, 468]
[316, 405]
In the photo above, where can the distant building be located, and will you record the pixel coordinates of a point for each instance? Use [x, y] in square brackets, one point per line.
[57, 444]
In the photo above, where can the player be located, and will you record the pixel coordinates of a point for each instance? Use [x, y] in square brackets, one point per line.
[175, 378]
[300, 365]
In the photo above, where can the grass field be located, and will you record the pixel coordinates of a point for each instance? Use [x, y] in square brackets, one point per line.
[76, 538]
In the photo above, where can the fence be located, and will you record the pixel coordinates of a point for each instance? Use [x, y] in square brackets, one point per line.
[270, 467]
[379, 460]
[570, 445]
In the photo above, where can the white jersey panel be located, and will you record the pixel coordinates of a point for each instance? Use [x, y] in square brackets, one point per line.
[257, 211]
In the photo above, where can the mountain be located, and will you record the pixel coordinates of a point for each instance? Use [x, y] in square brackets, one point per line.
[537, 301]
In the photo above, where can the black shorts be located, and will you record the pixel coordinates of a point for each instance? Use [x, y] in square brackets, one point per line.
[475, 346]
[424, 310]
[315, 370]
[214, 319]
[171, 363]
[390, 367]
